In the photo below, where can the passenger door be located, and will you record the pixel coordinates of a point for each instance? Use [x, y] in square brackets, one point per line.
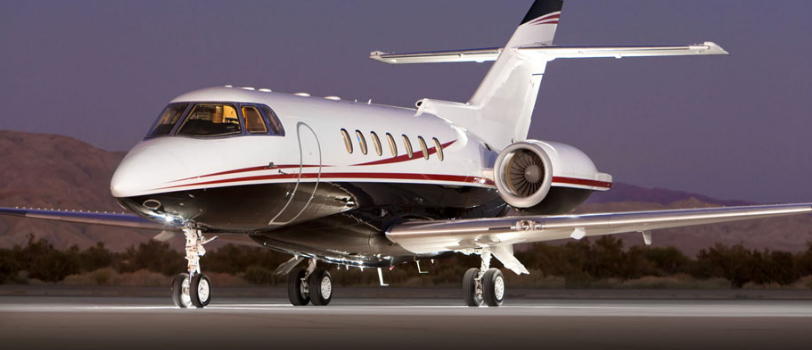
[307, 179]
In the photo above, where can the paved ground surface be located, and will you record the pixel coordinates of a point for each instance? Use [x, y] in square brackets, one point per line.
[396, 323]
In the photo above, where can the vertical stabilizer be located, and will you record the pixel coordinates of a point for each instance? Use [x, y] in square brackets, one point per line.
[500, 110]
[507, 95]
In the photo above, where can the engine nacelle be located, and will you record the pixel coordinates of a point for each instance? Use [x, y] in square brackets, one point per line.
[539, 177]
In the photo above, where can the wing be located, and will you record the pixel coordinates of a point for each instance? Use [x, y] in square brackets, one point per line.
[496, 234]
[548, 53]
[96, 218]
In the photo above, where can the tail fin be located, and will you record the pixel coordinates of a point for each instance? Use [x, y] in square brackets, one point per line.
[500, 110]
[507, 95]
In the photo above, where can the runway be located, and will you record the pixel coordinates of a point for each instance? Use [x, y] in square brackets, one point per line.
[105, 323]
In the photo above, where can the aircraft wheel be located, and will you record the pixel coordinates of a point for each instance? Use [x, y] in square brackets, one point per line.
[296, 293]
[493, 287]
[200, 290]
[320, 287]
[180, 291]
[471, 292]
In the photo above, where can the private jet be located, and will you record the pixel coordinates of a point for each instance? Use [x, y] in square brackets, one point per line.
[356, 184]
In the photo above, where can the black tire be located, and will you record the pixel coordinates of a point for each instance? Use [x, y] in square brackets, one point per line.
[177, 291]
[295, 293]
[493, 287]
[469, 293]
[200, 296]
[320, 294]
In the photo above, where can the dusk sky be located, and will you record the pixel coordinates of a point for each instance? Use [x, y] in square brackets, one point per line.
[732, 127]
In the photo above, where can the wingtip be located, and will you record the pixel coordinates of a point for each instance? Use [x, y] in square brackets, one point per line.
[715, 49]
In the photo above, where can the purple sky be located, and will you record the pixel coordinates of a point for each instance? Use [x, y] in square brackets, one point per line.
[734, 127]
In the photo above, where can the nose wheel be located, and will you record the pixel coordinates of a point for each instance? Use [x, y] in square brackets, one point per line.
[192, 288]
[180, 291]
[194, 292]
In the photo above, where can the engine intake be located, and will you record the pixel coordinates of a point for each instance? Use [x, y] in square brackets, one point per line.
[523, 174]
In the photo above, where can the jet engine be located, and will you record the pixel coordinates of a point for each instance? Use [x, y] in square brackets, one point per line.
[523, 174]
[540, 177]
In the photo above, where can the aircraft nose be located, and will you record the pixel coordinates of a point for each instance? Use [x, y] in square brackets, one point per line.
[144, 170]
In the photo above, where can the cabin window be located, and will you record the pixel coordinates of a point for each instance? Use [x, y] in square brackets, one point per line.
[347, 141]
[392, 145]
[253, 120]
[211, 119]
[439, 148]
[423, 147]
[408, 145]
[169, 117]
[274, 123]
[362, 142]
[377, 142]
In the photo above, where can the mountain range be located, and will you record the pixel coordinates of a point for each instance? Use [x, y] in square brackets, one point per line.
[54, 171]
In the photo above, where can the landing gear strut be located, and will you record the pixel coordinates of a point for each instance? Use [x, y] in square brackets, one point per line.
[310, 285]
[484, 285]
[192, 288]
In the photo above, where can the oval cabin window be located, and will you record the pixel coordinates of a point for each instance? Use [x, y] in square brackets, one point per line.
[393, 146]
[362, 142]
[423, 147]
[377, 142]
[408, 145]
[347, 141]
[439, 148]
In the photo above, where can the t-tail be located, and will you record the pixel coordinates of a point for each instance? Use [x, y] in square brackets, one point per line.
[501, 109]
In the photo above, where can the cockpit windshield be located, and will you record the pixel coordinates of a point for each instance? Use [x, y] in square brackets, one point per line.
[216, 119]
[169, 117]
[211, 119]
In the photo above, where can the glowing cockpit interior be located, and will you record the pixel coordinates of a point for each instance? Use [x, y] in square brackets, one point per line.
[208, 119]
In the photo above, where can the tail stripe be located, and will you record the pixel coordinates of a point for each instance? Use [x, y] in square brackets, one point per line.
[554, 15]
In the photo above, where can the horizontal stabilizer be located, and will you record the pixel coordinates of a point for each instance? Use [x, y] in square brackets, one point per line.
[548, 53]
[553, 52]
[471, 55]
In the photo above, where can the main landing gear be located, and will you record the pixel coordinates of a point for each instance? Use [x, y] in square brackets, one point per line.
[192, 288]
[310, 285]
[484, 285]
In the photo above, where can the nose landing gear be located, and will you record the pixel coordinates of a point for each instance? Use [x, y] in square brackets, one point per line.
[192, 288]
[310, 285]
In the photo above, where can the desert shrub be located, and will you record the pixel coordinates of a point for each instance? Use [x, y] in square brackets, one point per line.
[44, 262]
[259, 275]
[152, 256]
[667, 261]
[9, 267]
[95, 257]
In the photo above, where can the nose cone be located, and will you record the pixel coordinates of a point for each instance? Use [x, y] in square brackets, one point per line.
[146, 169]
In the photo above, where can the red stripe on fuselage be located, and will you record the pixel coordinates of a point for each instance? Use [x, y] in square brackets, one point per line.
[397, 159]
[581, 182]
[405, 157]
[245, 170]
[389, 176]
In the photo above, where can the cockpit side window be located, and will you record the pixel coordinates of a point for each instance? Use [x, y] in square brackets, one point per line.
[211, 119]
[253, 120]
[274, 123]
[169, 117]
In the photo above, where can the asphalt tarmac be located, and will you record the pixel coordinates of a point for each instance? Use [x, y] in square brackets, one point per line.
[241, 323]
